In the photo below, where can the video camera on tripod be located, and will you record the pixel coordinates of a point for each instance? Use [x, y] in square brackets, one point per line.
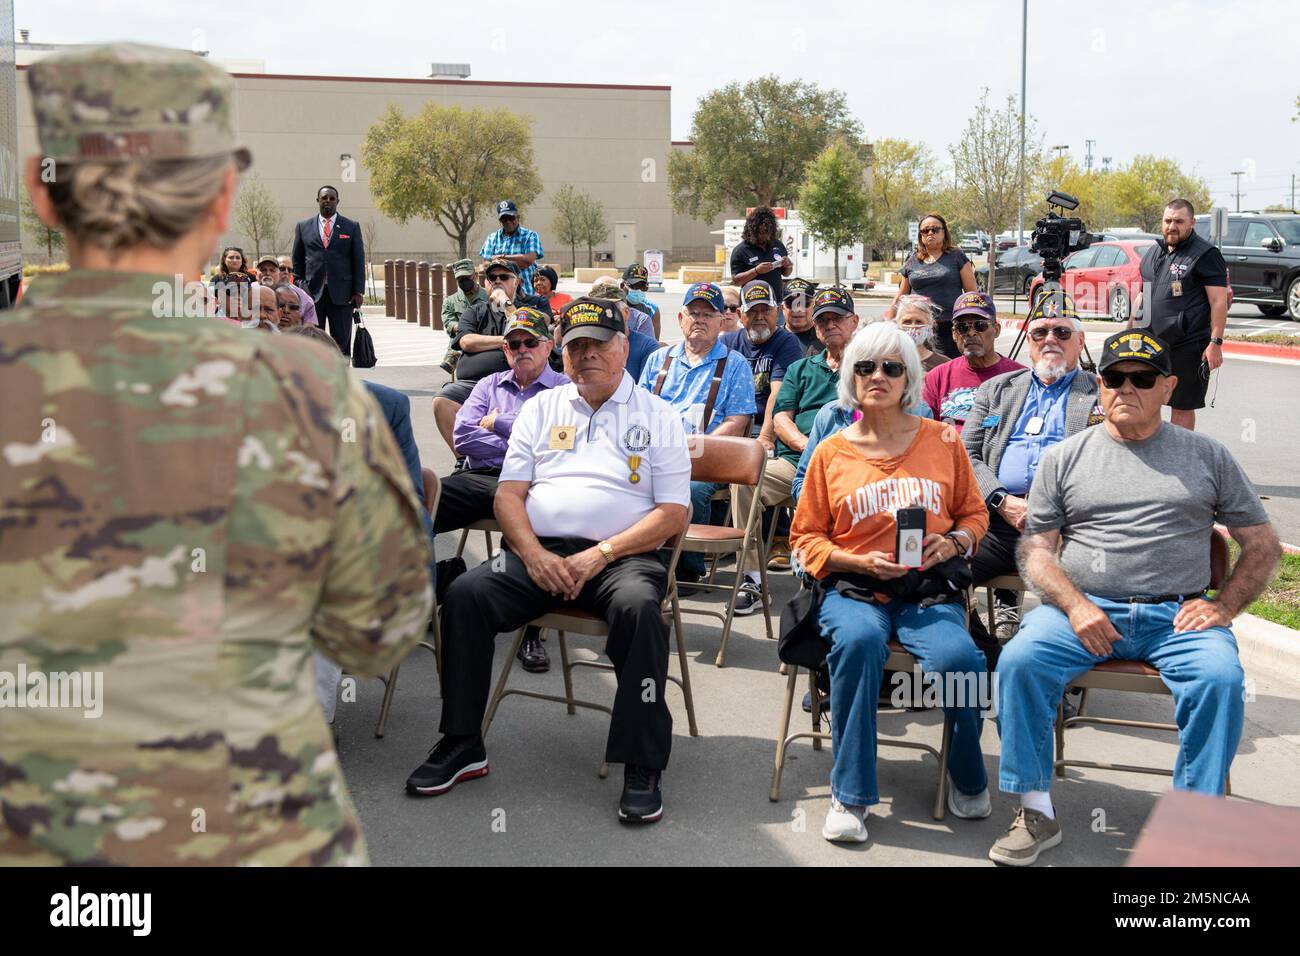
[1055, 237]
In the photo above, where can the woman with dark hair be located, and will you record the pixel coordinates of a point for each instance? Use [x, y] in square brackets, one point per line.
[234, 260]
[761, 254]
[940, 271]
[546, 282]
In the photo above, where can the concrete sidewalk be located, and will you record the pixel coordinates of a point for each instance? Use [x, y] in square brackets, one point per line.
[543, 802]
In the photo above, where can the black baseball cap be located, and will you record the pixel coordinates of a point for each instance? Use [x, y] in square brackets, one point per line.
[799, 287]
[634, 274]
[1135, 345]
[589, 318]
[834, 300]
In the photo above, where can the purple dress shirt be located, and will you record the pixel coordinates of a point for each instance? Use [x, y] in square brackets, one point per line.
[308, 312]
[487, 448]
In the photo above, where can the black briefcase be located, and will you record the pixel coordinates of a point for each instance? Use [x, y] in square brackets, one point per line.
[363, 346]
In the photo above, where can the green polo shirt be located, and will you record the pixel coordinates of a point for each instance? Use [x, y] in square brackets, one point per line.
[808, 385]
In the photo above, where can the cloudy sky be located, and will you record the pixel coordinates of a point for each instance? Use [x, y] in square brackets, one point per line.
[1212, 83]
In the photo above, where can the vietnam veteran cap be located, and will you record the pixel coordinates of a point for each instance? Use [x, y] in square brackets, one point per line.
[799, 287]
[832, 301]
[756, 292]
[131, 101]
[589, 318]
[706, 292]
[1135, 345]
[528, 319]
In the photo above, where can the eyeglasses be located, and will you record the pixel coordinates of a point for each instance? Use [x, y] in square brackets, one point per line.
[292, 306]
[1142, 380]
[733, 308]
[867, 368]
[500, 276]
[1060, 332]
[965, 328]
[931, 230]
[515, 345]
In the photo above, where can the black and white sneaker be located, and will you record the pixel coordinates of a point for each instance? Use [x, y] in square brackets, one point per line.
[451, 760]
[749, 598]
[642, 801]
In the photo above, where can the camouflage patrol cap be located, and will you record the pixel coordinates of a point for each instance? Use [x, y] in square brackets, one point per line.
[127, 101]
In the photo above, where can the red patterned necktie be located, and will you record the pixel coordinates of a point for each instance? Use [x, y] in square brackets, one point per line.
[325, 223]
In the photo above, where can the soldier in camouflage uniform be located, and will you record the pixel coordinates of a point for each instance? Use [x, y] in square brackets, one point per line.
[187, 508]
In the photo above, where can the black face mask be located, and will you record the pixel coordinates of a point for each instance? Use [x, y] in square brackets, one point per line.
[466, 284]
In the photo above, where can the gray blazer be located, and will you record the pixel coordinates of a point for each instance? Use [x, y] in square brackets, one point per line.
[1004, 397]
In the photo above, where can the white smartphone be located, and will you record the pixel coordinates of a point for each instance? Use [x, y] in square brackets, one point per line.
[911, 537]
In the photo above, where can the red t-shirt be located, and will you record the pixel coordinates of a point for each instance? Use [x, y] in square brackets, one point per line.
[949, 389]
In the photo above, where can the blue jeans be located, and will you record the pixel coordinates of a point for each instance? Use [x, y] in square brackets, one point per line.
[701, 504]
[1200, 668]
[859, 635]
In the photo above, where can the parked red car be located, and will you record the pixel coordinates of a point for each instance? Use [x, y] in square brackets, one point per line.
[1103, 279]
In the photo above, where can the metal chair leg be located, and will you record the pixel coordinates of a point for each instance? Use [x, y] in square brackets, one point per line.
[464, 540]
[686, 672]
[778, 765]
[390, 686]
[818, 704]
[1060, 737]
[941, 791]
[501, 681]
[568, 673]
[766, 595]
[721, 659]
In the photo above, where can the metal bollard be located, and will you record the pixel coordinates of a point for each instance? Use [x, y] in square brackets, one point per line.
[422, 280]
[436, 295]
[411, 306]
[399, 289]
[390, 304]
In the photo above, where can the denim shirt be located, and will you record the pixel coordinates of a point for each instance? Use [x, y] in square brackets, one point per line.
[1024, 451]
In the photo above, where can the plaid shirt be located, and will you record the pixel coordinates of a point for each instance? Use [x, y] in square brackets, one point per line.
[523, 240]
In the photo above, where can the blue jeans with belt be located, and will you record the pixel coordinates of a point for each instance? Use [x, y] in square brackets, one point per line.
[859, 634]
[1200, 668]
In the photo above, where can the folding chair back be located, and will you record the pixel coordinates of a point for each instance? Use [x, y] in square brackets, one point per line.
[726, 460]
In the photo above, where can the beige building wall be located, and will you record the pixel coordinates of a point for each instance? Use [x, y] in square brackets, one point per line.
[609, 141]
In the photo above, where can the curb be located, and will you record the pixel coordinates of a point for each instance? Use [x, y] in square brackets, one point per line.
[1262, 350]
[1262, 643]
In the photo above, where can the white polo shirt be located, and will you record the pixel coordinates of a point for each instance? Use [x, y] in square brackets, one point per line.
[580, 463]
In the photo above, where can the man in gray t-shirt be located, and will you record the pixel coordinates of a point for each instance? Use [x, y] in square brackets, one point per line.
[1117, 545]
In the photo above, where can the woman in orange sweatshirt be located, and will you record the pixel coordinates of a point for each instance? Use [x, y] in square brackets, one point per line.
[844, 529]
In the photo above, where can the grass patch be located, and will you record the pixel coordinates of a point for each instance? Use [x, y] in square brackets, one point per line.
[1280, 602]
[1268, 338]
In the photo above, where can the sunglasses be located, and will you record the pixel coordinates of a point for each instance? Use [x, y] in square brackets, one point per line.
[931, 230]
[867, 368]
[965, 328]
[500, 276]
[515, 345]
[1059, 332]
[1142, 380]
[292, 307]
[733, 308]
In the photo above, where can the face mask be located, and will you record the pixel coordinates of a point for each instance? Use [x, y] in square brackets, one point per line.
[918, 333]
[636, 297]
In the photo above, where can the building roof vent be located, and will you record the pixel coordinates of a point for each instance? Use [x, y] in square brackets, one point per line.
[449, 71]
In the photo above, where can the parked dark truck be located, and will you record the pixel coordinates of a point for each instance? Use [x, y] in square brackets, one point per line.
[11, 265]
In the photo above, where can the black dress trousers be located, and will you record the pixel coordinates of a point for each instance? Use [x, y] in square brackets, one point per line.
[483, 603]
[337, 320]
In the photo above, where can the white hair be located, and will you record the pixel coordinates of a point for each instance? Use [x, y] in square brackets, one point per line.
[877, 341]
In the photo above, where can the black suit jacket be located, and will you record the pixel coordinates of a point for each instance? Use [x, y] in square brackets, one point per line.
[344, 261]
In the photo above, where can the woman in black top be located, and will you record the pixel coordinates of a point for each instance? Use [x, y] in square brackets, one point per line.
[940, 271]
[761, 255]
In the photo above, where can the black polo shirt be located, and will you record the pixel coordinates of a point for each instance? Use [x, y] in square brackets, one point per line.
[1189, 268]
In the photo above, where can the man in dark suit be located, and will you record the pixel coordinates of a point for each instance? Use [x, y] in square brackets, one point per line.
[330, 260]
[1013, 420]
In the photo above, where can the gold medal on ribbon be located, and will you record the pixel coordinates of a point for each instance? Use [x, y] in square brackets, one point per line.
[633, 463]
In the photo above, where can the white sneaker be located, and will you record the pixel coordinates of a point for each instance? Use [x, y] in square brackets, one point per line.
[845, 824]
[975, 807]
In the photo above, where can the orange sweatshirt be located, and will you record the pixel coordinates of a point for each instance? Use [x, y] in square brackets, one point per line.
[848, 501]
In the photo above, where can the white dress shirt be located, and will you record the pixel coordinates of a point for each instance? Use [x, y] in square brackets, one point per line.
[334, 227]
[579, 462]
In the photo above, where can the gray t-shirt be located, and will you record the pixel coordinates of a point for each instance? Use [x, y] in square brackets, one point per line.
[1137, 516]
[940, 280]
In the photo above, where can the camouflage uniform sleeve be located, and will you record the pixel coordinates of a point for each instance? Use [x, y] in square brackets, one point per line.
[377, 596]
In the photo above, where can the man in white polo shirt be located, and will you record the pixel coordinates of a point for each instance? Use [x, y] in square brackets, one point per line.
[596, 478]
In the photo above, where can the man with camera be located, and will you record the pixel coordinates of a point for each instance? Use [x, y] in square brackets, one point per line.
[1117, 543]
[1184, 300]
[1014, 419]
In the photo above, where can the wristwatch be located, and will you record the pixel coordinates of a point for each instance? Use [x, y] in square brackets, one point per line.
[995, 500]
[607, 550]
[1216, 341]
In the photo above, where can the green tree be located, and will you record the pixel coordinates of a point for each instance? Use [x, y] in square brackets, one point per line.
[753, 143]
[904, 182]
[257, 214]
[566, 219]
[1146, 184]
[35, 232]
[450, 165]
[834, 201]
[987, 165]
[593, 226]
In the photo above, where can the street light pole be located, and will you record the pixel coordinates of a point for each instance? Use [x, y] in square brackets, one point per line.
[1238, 173]
[1024, 55]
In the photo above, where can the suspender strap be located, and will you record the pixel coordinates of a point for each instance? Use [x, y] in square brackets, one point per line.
[718, 369]
[663, 371]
